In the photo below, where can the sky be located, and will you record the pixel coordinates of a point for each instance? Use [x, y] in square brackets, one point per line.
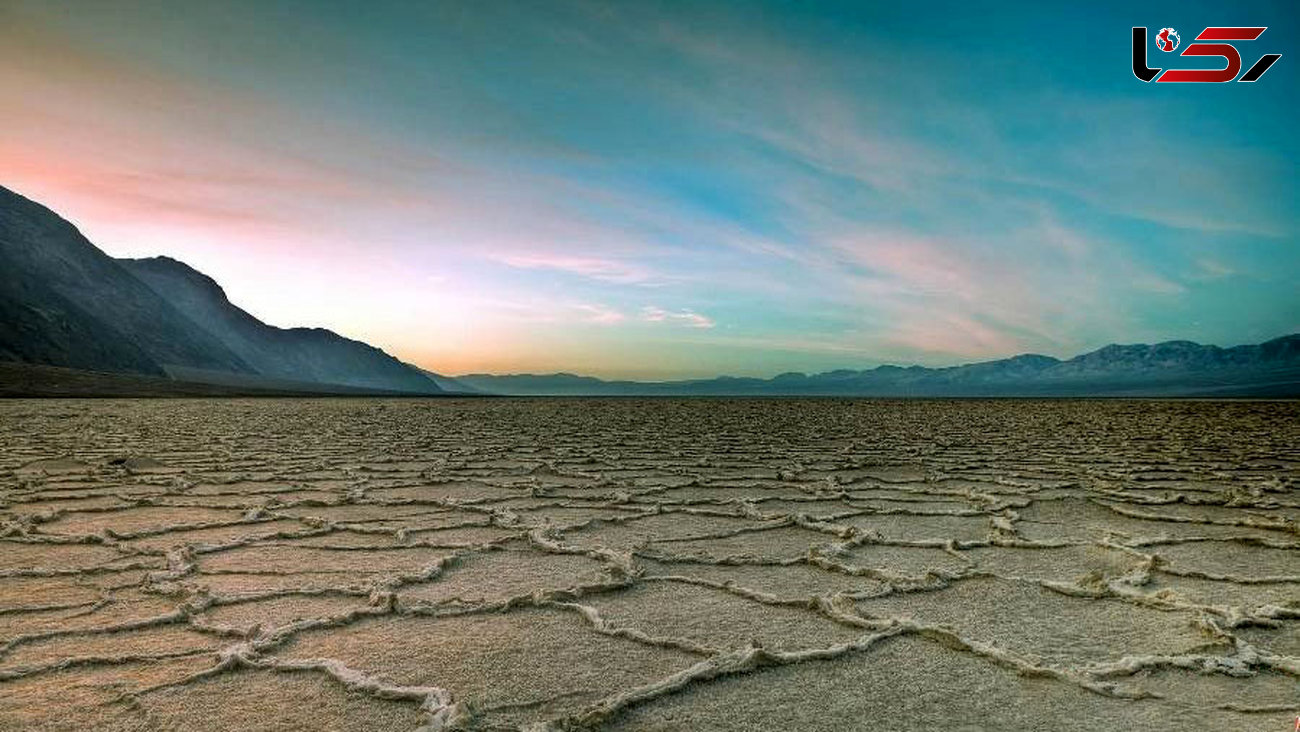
[675, 189]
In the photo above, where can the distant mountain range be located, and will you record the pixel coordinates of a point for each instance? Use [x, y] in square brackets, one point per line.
[75, 321]
[65, 303]
[1174, 368]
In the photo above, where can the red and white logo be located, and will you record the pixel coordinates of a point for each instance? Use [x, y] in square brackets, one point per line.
[1167, 40]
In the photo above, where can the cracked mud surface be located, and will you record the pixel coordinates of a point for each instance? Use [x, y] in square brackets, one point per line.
[649, 565]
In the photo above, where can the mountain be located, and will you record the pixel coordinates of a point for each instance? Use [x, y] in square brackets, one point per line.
[74, 320]
[450, 385]
[300, 354]
[555, 385]
[1174, 368]
[65, 303]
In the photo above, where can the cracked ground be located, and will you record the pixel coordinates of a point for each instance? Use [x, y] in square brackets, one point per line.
[354, 564]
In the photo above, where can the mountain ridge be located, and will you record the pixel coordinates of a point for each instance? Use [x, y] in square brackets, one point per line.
[301, 353]
[65, 303]
[1168, 368]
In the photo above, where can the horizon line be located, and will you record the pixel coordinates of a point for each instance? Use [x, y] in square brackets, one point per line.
[575, 374]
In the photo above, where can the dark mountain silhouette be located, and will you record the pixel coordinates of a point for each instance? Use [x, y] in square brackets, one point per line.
[297, 354]
[1174, 368]
[72, 319]
[65, 303]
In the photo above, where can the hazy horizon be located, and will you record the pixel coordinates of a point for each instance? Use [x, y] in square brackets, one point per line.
[653, 193]
[954, 364]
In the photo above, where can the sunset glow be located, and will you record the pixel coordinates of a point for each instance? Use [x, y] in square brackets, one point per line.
[620, 191]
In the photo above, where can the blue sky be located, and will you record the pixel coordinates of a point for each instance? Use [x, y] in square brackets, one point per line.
[681, 189]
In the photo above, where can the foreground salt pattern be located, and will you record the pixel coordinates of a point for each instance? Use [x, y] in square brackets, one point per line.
[709, 564]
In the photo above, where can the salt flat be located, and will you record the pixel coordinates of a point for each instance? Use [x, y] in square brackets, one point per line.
[355, 564]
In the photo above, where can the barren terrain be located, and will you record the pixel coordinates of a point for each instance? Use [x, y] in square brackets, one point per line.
[362, 564]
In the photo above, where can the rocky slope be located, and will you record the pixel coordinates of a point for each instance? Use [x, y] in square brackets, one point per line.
[302, 354]
[65, 303]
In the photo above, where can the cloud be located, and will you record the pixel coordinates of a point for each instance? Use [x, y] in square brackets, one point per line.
[952, 333]
[1212, 269]
[595, 313]
[538, 308]
[688, 318]
[605, 270]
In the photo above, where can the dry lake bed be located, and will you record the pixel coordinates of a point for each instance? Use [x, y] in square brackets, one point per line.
[354, 564]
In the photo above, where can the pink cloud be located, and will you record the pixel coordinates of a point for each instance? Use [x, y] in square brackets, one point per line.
[912, 264]
[952, 334]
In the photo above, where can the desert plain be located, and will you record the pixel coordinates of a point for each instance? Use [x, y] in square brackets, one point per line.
[623, 564]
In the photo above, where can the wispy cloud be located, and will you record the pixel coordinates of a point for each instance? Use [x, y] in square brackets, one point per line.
[605, 270]
[536, 308]
[600, 314]
[1212, 269]
[688, 318]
